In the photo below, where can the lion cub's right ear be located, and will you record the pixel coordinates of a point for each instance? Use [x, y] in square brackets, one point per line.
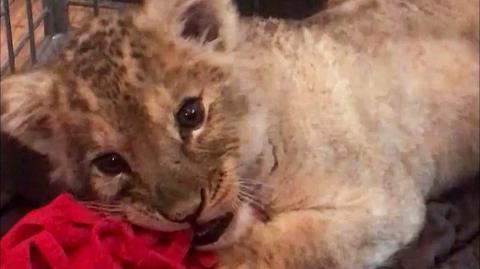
[28, 106]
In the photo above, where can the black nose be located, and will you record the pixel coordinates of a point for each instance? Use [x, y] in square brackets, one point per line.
[185, 212]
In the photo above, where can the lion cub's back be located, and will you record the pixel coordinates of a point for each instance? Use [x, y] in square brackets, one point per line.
[399, 89]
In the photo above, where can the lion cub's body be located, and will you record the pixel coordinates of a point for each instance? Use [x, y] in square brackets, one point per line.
[345, 122]
[365, 97]
[375, 109]
[376, 90]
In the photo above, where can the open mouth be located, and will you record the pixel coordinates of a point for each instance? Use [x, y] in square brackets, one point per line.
[211, 231]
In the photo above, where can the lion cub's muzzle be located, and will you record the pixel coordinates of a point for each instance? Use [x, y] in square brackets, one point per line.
[189, 212]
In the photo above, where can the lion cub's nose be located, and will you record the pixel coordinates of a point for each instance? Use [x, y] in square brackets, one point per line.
[187, 210]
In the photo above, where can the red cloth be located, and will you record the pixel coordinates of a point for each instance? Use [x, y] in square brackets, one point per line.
[66, 235]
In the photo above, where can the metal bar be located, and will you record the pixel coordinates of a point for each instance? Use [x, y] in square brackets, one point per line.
[95, 7]
[31, 31]
[8, 33]
[101, 4]
[56, 20]
[2, 12]
[48, 21]
[23, 40]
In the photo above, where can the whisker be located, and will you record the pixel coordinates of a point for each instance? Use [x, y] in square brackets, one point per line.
[254, 187]
[251, 200]
[234, 167]
[106, 210]
[100, 204]
[252, 204]
[116, 209]
[248, 195]
[202, 150]
[254, 182]
[236, 204]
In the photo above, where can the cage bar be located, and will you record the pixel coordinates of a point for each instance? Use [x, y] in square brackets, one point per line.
[31, 31]
[107, 4]
[55, 19]
[8, 36]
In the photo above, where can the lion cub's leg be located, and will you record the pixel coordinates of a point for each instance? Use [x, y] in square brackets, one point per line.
[362, 235]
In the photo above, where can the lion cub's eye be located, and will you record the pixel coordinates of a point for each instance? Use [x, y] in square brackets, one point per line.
[111, 164]
[191, 114]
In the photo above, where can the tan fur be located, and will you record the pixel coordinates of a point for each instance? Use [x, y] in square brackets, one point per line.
[338, 127]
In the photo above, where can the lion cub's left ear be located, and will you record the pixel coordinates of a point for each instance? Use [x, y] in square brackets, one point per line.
[210, 21]
[205, 22]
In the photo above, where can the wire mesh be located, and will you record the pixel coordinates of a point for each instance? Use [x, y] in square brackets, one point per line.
[54, 17]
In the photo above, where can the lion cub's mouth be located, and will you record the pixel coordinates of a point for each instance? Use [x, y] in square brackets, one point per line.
[211, 231]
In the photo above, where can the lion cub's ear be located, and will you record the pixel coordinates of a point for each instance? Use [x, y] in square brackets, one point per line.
[208, 21]
[202, 21]
[27, 104]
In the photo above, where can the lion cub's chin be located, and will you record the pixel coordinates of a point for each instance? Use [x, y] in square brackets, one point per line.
[243, 220]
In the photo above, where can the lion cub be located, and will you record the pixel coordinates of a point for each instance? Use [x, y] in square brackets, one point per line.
[307, 144]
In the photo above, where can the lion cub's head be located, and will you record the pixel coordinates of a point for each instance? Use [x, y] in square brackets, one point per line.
[148, 115]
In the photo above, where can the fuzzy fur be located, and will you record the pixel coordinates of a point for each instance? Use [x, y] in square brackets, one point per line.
[337, 127]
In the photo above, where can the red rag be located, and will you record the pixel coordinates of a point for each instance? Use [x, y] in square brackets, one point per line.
[66, 235]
